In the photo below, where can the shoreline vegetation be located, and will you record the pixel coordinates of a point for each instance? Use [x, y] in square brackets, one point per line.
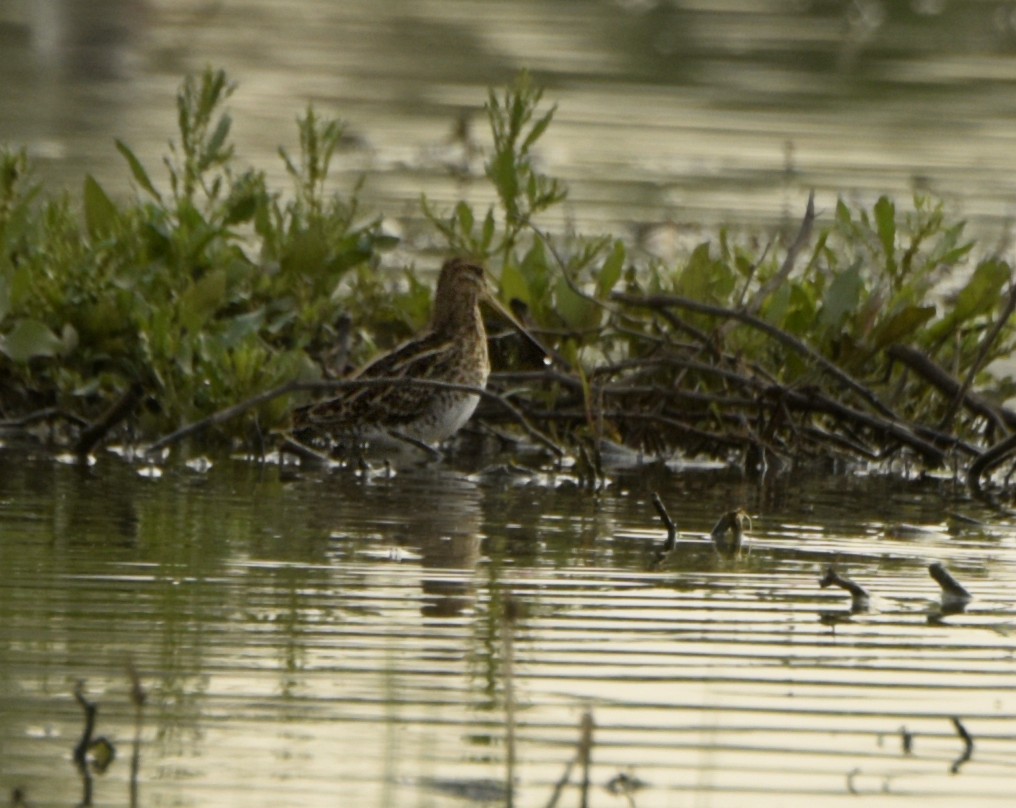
[207, 307]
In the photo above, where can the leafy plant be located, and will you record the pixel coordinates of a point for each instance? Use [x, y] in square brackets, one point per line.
[208, 287]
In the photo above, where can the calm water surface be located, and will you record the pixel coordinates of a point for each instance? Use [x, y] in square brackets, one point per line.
[315, 638]
[671, 113]
[334, 639]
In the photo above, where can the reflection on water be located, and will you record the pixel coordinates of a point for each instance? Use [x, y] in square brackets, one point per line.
[321, 638]
[671, 114]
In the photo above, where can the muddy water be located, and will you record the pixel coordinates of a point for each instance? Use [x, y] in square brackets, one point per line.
[320, 638]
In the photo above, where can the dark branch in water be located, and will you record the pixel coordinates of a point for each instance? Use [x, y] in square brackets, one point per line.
[988, 460]
[982, 355]
[121, 409]
[668, 546]
[1001, 418]
[790, 341]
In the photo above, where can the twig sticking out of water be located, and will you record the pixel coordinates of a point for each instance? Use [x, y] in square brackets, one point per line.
[906, 741]
[731, 522]
[671, 542]
[968, 746]
[121, 409]
[859, 598]
[953, 592]
[102, 750]
[625, 785]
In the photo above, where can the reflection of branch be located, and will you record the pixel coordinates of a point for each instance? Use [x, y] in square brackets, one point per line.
[968, 746]
[585, 754]
[138, 697]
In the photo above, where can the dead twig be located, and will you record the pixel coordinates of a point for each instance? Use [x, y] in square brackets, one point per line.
[792, 342]
[988, 460]
[982, 354]
[754, 305]
[668, 546]
[117, 412]
[1001, 418]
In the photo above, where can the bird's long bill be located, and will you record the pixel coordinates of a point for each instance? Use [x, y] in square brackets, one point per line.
[503, 311]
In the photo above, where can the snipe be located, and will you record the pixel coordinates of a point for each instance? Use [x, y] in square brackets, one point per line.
[452, 349]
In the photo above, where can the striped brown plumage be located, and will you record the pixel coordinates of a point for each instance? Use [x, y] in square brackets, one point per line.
[452, 349]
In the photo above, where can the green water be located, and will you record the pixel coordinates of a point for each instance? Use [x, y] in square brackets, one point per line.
[312, 638]
[321, 638]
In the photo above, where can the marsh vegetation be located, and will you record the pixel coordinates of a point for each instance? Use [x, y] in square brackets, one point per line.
[862, 334]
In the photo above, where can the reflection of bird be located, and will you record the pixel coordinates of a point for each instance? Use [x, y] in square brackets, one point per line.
[954, 596]
[859, 598]
[452, 350]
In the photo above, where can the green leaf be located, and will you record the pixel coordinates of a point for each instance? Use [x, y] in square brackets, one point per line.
[885, 221]
[240, 328]
[241, 208]
[202, 299]
[384, 241]
[218, 137]
[465, 217]
[538, 129]
[100, 213]
[140, 175]
[29, 339]
[488, 230]
[901, 325]
[5, 297]
[983, 290]
[842, 297]
[610, 272]
[843, 215]
[514, 285]
[577, 311]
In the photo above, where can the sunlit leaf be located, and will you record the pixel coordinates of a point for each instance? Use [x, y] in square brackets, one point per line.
[140, 175]
[5, 297]
[576, 311]
[610, 272]
[842, 297]
[983, 290]
[30, 339]
[885, 221]
[100, 212]
[901, 325]
[202, 299]
[514, 285]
